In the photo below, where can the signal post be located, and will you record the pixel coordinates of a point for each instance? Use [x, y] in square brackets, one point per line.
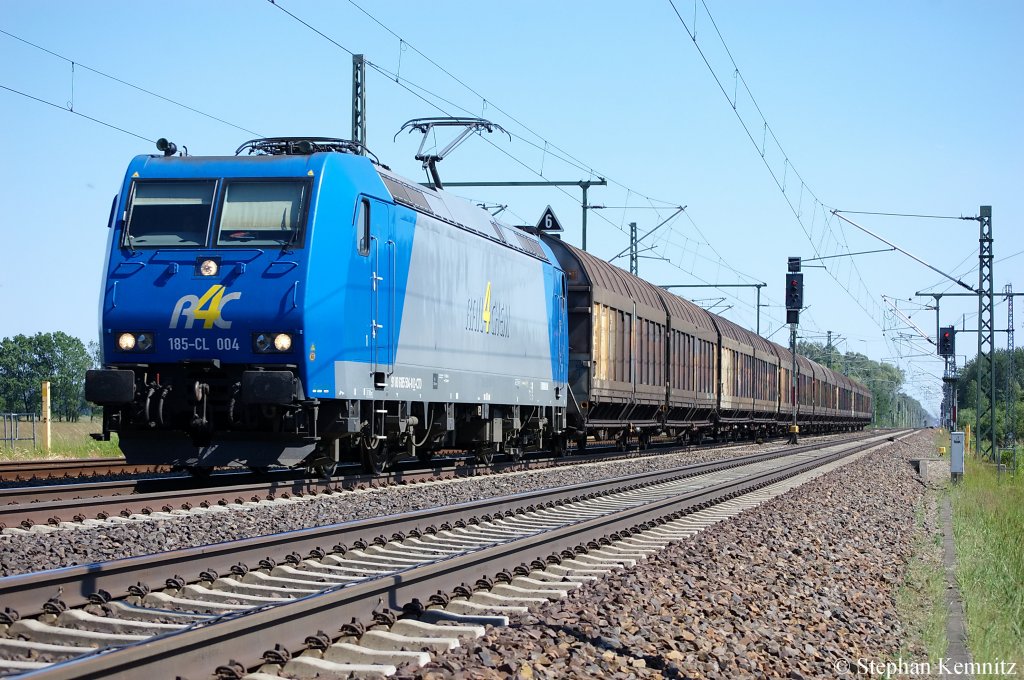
[794, 303]
[946, 346]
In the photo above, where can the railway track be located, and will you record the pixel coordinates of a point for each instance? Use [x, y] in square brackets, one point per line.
[43, 508]
[275, 593]
[63, 504]
[26, 470]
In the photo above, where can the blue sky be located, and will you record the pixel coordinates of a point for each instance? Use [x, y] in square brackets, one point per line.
[909, 107]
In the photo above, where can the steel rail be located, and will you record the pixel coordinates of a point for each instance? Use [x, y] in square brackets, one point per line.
[51, 505]
[33, 469]
[196, 651]
[27, 593]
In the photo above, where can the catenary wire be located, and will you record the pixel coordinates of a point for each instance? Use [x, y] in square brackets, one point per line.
[78, 113]
[131, 85]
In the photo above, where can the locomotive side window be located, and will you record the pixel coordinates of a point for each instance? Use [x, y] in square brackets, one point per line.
[169, 213]
[363, 226]
[262, 213]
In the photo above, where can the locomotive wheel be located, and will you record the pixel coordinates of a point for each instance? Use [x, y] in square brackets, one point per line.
[326, 469]
[376, 460]
[484, 455]
[424, 455]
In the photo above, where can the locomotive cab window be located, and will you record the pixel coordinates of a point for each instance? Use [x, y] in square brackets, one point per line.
[262, 214]
[169, 213]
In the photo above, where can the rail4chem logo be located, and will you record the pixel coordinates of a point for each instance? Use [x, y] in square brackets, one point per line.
[206, 308]
[488, 316]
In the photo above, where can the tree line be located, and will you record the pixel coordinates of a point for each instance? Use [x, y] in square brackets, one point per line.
[26, 361]
[891, 406]
[1007, 383]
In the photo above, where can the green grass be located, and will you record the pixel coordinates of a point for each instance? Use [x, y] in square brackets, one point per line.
[68, 440]
[988, 524]
[921, 599]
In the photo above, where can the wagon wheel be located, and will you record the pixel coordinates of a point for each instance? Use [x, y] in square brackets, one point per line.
[581, 443]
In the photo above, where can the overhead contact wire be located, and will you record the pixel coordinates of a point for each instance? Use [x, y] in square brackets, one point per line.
[127, 84]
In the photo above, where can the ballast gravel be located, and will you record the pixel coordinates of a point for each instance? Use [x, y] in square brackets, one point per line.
[23, 553]
[802, 586]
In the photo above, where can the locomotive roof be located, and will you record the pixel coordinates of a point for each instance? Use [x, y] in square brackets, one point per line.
[460, 213]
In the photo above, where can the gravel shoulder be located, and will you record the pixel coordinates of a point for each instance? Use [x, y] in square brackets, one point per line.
[802, 586]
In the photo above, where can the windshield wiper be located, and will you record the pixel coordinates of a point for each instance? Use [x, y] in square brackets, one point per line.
[287, 245]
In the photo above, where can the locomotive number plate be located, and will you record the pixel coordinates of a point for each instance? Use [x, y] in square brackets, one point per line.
[203, 344]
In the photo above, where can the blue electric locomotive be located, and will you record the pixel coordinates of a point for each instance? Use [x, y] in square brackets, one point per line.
[302, 305]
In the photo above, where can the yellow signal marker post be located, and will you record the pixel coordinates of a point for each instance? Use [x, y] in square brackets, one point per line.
[45, 411]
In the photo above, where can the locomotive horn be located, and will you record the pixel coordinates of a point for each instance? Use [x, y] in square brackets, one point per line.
[169, 148]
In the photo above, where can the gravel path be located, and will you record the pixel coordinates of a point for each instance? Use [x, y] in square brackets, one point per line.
[794, 588]
[21, 553]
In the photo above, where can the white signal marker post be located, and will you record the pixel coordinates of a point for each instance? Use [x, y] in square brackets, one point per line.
[46, 415]
[956, 456]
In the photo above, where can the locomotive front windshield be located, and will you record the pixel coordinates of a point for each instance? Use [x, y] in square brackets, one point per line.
[261, 213]
[170, 214]
[177, 213]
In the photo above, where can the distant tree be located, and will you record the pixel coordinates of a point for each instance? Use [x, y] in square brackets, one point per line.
[95, 361]
[967, 394]
[19, 386]
[27, 361]
[891, 405]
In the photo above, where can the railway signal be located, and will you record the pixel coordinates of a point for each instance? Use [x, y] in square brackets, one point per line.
[795, 291]
[794, 297]
[947, 341]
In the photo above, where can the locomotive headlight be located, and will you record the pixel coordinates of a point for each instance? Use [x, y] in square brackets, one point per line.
[269, 343]
[208, 268]
[135, 342]
[262, 342]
